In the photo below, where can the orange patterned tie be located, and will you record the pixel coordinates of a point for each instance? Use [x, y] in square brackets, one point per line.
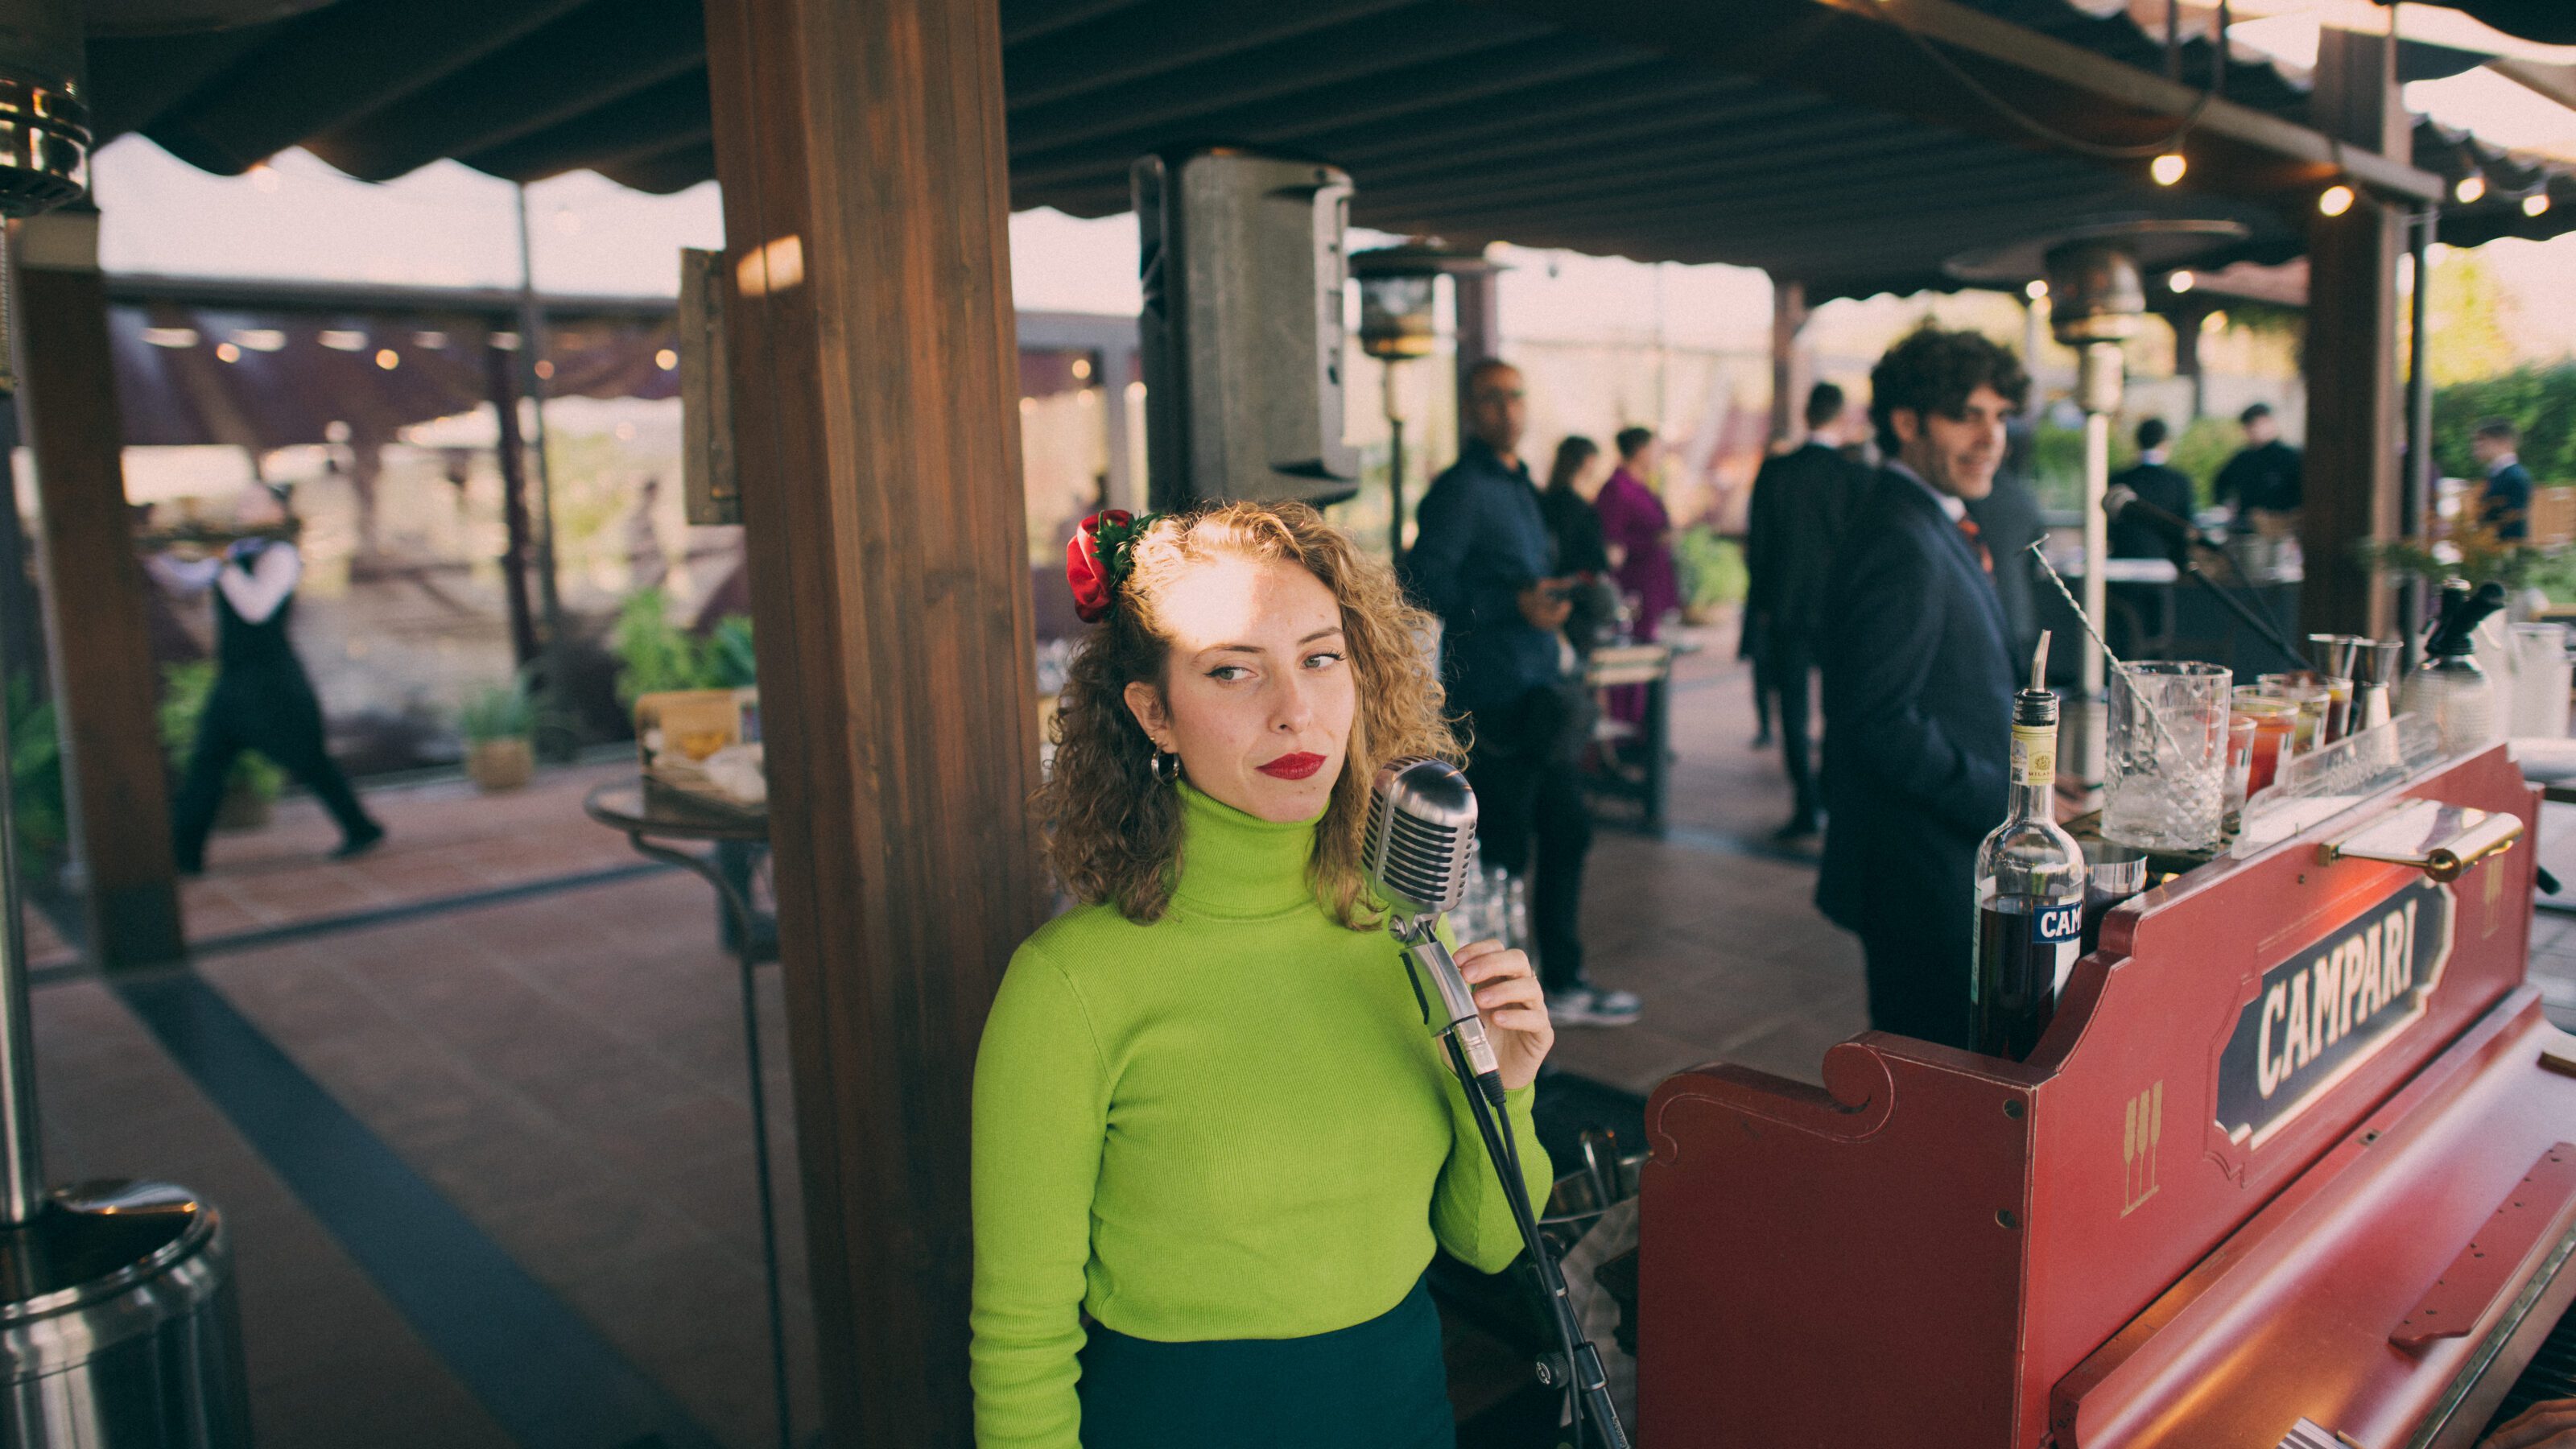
[1976, 540]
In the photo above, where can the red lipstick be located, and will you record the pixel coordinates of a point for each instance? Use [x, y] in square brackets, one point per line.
[1292, 767]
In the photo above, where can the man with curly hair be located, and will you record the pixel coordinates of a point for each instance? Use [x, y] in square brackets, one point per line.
[1918, 682]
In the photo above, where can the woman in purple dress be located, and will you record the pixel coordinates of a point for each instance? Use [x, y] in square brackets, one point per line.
[1639, 533]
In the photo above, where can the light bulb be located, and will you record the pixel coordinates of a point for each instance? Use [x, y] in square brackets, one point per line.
[2471, 187]
[2535, 204]
[2334, 200]
[2036, 291]
[2181, 281]
[2168, 168]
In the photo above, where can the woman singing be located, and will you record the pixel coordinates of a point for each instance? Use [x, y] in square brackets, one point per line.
[1214, 1142]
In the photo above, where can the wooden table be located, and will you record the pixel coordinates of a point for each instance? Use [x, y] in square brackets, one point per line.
[1650, 665]
[650, 814]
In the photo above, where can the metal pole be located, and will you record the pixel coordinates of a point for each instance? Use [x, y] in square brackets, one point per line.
[22, 1167]
[2415, 485]
[2097, 536]
[532, 349]
[1394, 462]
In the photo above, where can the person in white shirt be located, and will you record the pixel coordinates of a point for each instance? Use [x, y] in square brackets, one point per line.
[262, 700]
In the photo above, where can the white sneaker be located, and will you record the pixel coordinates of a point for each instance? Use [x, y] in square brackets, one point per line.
[1591, 1006]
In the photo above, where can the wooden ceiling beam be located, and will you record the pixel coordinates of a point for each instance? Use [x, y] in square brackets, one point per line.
[1861, 51]
[338, 62]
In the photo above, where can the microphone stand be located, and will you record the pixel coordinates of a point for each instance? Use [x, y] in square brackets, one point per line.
[2263, 628]
[1589, 1382]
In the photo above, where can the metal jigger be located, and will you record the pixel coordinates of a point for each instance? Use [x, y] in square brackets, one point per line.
[2374, 674]
[119, 1325]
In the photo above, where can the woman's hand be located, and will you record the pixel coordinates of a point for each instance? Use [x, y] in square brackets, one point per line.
[2550, 1424]
[1515, 1010]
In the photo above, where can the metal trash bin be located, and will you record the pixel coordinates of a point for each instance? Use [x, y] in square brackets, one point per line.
[119, 1327]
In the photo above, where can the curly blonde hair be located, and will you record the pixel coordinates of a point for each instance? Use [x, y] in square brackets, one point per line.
[1113, 832]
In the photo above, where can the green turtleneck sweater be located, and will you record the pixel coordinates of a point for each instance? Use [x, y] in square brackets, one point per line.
[1231, 1123]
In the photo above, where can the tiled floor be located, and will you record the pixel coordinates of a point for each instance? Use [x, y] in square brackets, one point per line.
[566, 1067]
[1712, 926]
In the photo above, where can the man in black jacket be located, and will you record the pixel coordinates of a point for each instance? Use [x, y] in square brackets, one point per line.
[2158, 484]
[2265, 476]
[1483, 561]
[2505, 502]
[1919, 683]
[1801, 500]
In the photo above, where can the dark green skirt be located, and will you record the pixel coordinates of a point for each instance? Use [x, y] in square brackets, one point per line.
[1374, 1385]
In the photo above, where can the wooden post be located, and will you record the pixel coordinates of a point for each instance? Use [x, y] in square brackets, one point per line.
[875, 406]
[2351, 353]
[105, 695]
[1790, 366]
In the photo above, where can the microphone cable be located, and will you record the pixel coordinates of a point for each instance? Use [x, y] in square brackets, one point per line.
[1582, 1376]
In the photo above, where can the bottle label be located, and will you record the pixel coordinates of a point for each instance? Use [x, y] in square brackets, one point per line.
[2034, 755]
[2058, 925]
[2059, 929]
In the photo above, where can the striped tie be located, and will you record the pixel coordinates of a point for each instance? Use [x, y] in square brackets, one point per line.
[1976, 540]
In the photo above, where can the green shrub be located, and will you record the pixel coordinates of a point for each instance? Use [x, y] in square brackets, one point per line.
[36, 774]
[2539, 401]
[1711, 568]
[498, 712]
[654, 654]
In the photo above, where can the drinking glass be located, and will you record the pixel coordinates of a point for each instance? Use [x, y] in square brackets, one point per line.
[2166, 777]
[2273, 721]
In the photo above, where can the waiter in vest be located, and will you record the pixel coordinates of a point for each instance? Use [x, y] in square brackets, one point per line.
[1919, 682]
[262, 699]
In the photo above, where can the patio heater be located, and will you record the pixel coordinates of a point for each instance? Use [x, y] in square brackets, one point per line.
[1396, 327]
[118, 1323]
[2097, 302]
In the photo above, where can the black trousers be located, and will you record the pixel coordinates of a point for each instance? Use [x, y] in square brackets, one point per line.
[1375, 1385]
[1790, 675]
[277, 715]
[1529, 803]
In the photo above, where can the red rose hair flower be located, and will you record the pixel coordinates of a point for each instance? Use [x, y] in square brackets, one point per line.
[1097, 559]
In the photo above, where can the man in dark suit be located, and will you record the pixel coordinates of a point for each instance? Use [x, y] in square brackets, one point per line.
[1919, 683]
[2158, 484]
[2265, 474]
[1801, 500]
[2505, 503]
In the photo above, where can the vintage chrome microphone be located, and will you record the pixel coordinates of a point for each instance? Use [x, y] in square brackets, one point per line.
[1420, 846]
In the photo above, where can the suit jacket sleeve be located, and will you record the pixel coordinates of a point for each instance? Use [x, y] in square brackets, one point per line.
[1761, 536]
[1889, 611]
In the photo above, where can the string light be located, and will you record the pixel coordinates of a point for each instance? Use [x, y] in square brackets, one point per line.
[388, 359]
[226, 352]
[2471, 188]
[2536, 204]
[2334, 200]
[2037, 291]
[2181, 281]
[2168, 168]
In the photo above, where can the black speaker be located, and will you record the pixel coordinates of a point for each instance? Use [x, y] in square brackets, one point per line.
[1241, 335]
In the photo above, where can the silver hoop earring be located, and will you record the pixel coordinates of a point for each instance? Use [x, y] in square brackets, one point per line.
[1167, 767]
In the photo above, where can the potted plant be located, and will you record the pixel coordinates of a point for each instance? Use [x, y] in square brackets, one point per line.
[499, 725]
